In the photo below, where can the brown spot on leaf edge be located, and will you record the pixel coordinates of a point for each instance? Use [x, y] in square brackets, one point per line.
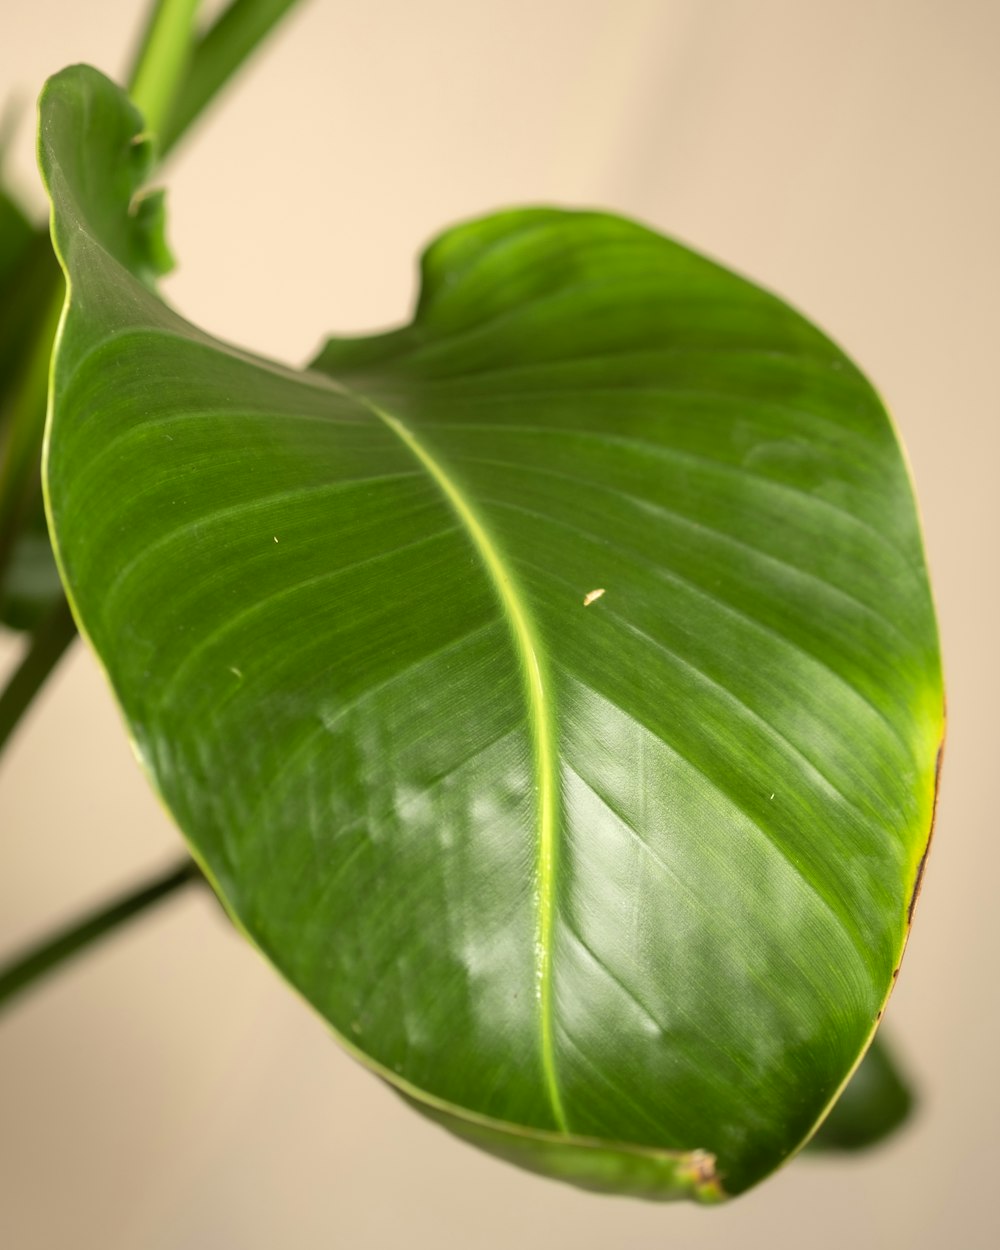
[701, 1172]
[918, 880]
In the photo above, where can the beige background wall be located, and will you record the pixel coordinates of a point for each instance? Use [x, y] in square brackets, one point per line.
[168, 1092]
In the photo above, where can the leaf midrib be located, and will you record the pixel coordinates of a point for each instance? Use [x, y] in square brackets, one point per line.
[542, 731]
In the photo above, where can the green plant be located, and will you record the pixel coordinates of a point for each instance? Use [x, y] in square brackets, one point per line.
[550, 688]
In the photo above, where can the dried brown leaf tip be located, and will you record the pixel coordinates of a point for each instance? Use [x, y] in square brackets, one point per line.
[700, 1171]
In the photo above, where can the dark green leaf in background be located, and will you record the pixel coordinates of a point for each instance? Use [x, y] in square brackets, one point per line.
[29, 283]
[15, 237]
[28, 277]
[875, 1103]
[550, 688]
[31, 587]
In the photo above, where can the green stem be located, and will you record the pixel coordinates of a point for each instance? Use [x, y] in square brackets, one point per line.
[48, 643]
[216, 57]
[162, 60]
[25, 969]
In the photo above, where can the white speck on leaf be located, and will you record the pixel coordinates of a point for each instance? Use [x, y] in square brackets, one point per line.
[235, 672]
[591, 596]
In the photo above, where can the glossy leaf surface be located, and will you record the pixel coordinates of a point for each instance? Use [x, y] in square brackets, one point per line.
[550, 687]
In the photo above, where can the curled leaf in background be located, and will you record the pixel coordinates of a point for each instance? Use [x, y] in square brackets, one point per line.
[615, 886]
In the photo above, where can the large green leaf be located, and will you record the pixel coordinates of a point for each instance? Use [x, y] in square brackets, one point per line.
[614, 884]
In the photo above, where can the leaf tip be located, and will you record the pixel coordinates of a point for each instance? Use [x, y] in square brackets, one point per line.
[95, 156]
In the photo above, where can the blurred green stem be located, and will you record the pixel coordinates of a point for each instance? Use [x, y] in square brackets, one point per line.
[216, 56]
[25, 969]
[162, 60]
[48, 643]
